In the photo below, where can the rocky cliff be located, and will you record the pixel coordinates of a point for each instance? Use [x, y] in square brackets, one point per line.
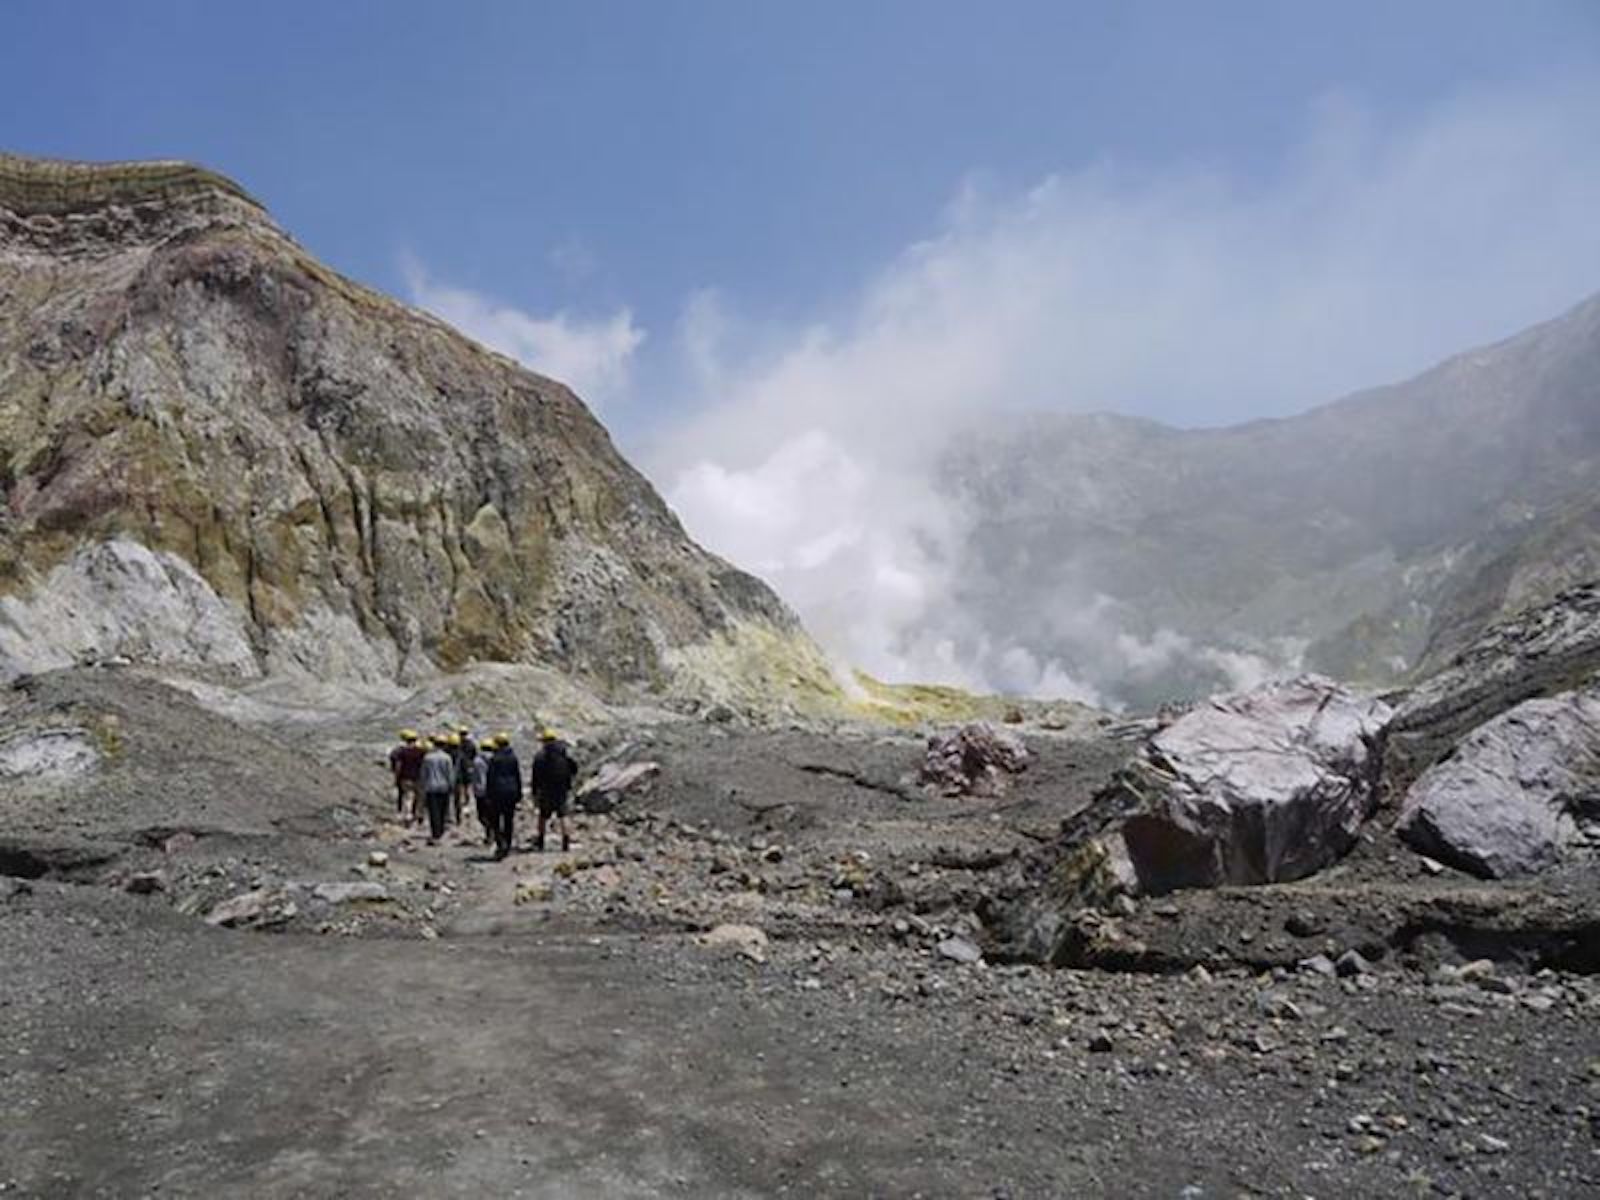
[216, 453]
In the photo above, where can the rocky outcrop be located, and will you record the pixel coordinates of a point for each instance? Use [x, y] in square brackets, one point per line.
[1541, 652]
[1517, 795]
[217, 453]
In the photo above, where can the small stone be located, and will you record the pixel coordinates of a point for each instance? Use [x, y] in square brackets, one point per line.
[1432, 865]
[1493, 1145]
[1302, 925]
[146, 883]
[1318, 964]
[1538, 1002]
[1101, 1043]
[1279, 1007]
[811, 984]
[1478, 968]
[377, 859]
[1352, 963]
[959, 949]
[1498, 984]
[1368, 1144]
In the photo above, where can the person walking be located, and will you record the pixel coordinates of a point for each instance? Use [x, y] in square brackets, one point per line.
[466, 752]
[480, 789]
[438, 780]
[504, 788]
[552, 772]
[405, 760]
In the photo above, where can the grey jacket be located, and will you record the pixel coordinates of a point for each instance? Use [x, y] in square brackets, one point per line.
[438, 771]
[480, 775]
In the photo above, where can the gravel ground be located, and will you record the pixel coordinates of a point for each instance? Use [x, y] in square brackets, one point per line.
[396, 1018]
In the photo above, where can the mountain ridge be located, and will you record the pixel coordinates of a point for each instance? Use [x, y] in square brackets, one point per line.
[213, 441]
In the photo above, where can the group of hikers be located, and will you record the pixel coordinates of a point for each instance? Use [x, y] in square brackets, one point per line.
[437, 776]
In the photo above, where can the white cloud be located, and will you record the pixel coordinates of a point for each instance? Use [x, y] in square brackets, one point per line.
[593, 358]
[1192, 294]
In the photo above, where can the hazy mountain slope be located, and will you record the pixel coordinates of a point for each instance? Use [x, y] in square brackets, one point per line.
[216, 452]
[1370, 534]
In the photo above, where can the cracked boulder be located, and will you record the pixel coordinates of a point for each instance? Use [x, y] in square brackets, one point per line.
[1258, 787]
[1518, 795]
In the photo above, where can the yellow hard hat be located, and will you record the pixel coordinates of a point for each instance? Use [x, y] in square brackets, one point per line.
[463, 729]
[547, 734]
[502, 739]
[408, 735]
[452, 739]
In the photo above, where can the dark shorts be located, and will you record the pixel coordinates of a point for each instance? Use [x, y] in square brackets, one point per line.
[553, 806]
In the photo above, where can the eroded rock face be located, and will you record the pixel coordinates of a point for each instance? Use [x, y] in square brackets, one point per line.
[1519, 793]
[219, 453]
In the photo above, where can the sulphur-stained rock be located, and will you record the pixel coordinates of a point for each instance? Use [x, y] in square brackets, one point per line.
[222, 455]
[1518, 793]
[1258, 787]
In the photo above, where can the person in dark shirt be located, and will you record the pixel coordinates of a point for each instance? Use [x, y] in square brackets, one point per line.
[465, 751]
[503, 792]
[552, 773]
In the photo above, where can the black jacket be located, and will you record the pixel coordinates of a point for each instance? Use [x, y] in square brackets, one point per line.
[505, 777]
[553, 770]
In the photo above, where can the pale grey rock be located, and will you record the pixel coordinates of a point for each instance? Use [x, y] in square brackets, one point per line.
[349, 893]
[48, 756]
[263, 906]
[1258, 787]
[748, 941]
[959, 949]
[1518, 792]
[612, 784]
[119, 599]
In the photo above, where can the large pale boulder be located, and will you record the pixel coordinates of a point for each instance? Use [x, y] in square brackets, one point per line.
[1258, 787]
[1519, 792]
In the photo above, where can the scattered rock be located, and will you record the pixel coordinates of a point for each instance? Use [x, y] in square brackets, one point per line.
[260, 907]
[146, 883]
[1350, 964]
[959, 949]
[612, 784]
[973, 760]
[350, 893]
[377, 859]
[1101, 1043]
[746, 940]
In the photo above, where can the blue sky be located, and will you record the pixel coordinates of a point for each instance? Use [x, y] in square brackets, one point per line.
[588, 157]
[787, 251]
